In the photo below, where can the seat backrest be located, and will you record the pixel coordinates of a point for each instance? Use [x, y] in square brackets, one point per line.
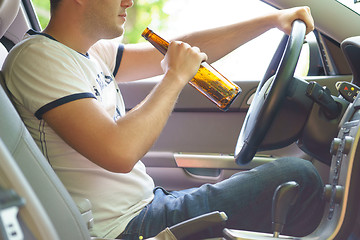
[32, 214]
[8, 12]
[53, 196]
[57, 202]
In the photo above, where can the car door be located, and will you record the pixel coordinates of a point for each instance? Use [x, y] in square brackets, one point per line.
[198, 142]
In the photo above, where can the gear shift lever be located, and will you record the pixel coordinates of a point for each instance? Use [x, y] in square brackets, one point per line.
[284, 198]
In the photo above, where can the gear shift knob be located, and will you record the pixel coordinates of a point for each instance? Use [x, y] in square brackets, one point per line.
[284, 198]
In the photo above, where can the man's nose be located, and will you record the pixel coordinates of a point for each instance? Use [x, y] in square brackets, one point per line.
[127, 3]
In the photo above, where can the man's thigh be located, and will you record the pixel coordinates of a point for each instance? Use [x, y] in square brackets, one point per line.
[246, 198]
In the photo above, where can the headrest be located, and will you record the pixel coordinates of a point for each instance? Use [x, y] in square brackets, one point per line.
[8, 12]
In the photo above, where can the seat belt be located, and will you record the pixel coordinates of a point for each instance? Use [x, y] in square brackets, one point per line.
[10, 202]
[8, 44]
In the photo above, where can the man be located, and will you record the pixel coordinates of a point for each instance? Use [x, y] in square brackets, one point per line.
[63, 83]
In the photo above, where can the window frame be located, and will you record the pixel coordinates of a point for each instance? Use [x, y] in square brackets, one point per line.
[31, 15]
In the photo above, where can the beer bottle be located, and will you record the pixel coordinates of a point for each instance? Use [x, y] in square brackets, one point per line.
[207, 80]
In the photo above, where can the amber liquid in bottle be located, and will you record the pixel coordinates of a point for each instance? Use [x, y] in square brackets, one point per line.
[207, 80]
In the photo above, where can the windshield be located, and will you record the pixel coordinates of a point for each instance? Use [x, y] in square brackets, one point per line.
[352, 4]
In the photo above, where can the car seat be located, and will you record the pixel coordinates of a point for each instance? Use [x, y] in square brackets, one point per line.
[47, 210]
[54, 198]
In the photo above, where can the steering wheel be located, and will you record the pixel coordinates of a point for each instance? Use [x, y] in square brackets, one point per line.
[268, 98]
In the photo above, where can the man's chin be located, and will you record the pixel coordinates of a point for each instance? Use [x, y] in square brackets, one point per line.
[115, 34]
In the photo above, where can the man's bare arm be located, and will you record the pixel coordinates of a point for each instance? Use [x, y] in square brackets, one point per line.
[143, 60]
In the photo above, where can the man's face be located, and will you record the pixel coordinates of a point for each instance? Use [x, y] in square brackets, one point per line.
[106, 18]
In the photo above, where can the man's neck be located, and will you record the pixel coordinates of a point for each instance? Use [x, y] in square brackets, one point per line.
[70, 36]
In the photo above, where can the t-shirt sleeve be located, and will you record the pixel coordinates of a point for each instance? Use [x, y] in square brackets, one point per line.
[42, 77]
[110, 51]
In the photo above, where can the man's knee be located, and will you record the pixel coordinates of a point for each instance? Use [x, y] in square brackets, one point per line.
[300, 170]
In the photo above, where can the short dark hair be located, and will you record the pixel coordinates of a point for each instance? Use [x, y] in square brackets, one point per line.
[54, 4]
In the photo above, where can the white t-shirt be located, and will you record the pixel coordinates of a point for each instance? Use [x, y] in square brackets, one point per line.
[42, 74]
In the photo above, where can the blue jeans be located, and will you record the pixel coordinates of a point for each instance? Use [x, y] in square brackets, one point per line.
[246, 198]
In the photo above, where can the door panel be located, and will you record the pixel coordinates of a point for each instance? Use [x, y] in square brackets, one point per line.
[198, 141]
[190, 100]
[178, 170]
[196, 125]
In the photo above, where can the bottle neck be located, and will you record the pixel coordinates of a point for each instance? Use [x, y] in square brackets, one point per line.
[158, 42]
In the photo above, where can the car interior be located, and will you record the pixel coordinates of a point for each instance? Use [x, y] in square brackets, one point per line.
[316, 118]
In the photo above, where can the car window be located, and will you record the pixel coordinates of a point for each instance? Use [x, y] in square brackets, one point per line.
[171, 17]
[248, 62]
[42, 9]
[354, 5]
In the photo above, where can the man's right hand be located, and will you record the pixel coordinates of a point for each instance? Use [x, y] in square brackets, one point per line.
[182, 61]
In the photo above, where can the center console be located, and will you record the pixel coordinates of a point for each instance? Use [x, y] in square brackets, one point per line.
[341, 193]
